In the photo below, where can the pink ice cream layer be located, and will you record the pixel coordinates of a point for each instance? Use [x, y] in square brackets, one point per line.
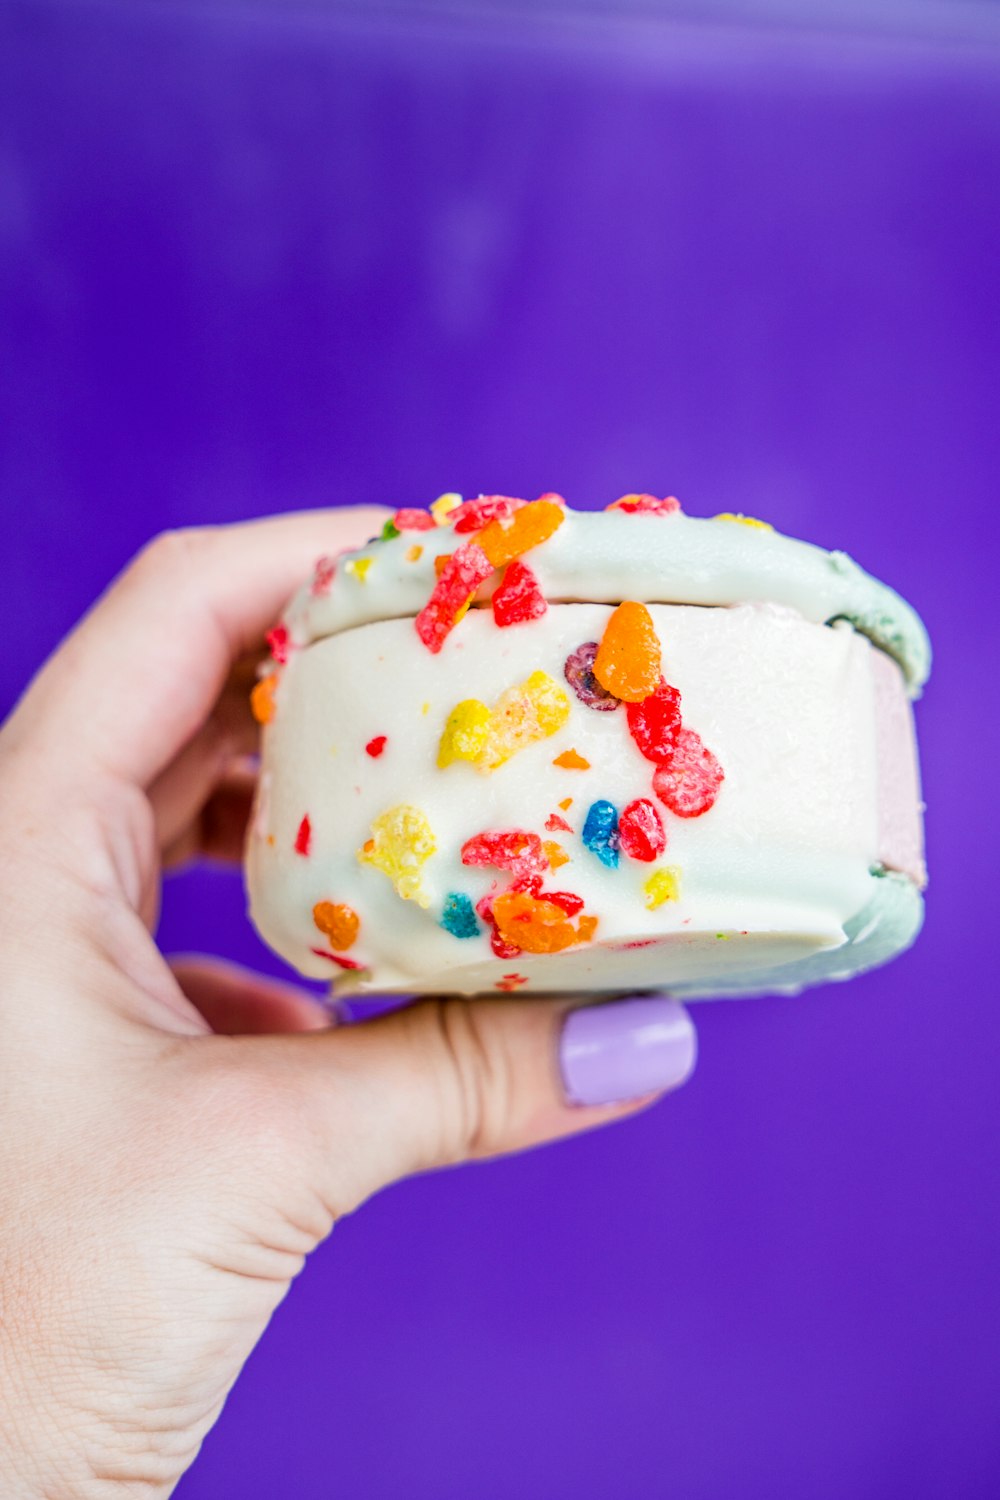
[900, 825]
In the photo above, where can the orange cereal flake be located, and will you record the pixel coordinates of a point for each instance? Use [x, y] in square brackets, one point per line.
[262, 704]
[504, 539]
[555, 854]
[338, 922]
[566, 802]
[571, 760]
[536, 925]
[627, 663]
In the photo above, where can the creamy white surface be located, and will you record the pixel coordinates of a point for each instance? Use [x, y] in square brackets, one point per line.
[780, 865]
[608, 556]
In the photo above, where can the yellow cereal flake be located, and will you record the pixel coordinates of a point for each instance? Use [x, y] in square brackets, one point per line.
[358, 567]
[663, 885]
[443, 507]
[738, 516]
[465, 732]
[414, 553]
[401, 844]
[531, 710]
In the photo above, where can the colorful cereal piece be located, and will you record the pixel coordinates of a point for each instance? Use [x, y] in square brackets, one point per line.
[375, 746]
[389, 530]
[459, 917]
[555, 854]
[742, 520]
[465, 732]
[646, 504]
[402, 842]
[510, 982]
[531, 710]
[338, 921]
[337, 958]
[414, 553]
[358, 567]
[570, 760]
[528, 527]
[641, 833]
[627, 663]
[517, 598]
[323, 575]
[262, 704]
[475, 514]
[600, 832]
[412, 519]
[464, 571]
[663, 885]
[513, 849]
[443, 506]
[303, 838]
[569, 901]
[536, 924]
[566, 803]
[278, 643]
[578, 670]
[655, 722]
[555, 824]
[689, 780]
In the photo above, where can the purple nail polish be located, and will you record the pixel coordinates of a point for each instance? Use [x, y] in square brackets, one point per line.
[623, 1049]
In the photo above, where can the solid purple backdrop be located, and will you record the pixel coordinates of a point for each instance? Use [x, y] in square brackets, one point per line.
[252, 263]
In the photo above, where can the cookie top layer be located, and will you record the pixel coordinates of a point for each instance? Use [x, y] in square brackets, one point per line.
[658, 556]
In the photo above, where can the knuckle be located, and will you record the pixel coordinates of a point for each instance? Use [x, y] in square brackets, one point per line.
[173, 551]
[479, 1074]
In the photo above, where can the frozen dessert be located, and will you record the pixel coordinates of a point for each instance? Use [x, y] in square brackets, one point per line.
[509, 746]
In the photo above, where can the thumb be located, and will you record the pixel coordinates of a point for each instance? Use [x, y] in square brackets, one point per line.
[448, 1081]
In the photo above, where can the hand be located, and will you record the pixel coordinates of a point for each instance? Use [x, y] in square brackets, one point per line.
[175, 1142]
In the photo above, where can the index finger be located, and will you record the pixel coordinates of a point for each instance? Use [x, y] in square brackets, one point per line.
[140, 673]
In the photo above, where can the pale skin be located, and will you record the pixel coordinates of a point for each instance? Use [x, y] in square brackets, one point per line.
[176, 1139]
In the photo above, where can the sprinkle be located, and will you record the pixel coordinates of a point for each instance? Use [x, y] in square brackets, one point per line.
[517, 597]
[600, 832]
[414, 553]
[389, 530]
[528, 527]
[627, 663]
[514, 849]
[464, 571]
[538, 925]
[647, 505]
[566, 802]
[510, 982]
[337, 958]
[555, 854]
[303, 839]
[323, 575]
[723, 937]
[409, 519]
[278, 642]
[663, 885]
[555, 824]
[475, 514]
[403, 842]
[728, 515]
[655, 722]
[458, 916]
[443, 507]
[425, 709]
[578, 670]
[262, 704]
[358, 567]
[465, 732]
[338, 921]
[689, 780]
[375, 746]
[570, 760]
[640, 831]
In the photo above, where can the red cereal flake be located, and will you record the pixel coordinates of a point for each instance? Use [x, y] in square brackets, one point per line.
[278, 643]
[641, 833]
[530, 883]
[303, 839]
[555, 824]
[465, 570]
[409, 519]
[517, 598]
[375, 746]
[340, 959]
[570, 902]
[655, 721]
[323, 574]
[473, 515]
[688, 782]
[646, 504]
[513, 849]
[511, 982]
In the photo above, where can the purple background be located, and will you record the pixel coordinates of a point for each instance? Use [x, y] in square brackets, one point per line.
[252, 262]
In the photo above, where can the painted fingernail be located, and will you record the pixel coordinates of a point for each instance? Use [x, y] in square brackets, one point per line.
[623, 1049]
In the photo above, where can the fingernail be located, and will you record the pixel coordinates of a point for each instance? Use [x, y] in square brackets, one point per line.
[624, 1049]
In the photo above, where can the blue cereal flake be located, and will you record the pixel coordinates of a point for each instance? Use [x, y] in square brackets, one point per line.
[458, 916]
[600, 832]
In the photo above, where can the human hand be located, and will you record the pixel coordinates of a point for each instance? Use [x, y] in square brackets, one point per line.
[173, 1143]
